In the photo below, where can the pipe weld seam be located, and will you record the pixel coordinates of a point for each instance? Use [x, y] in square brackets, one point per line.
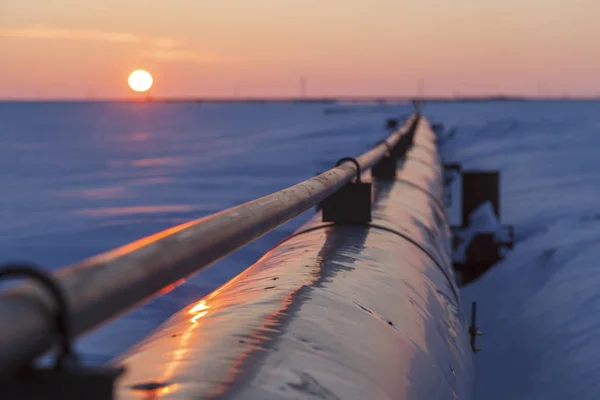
[384, 228]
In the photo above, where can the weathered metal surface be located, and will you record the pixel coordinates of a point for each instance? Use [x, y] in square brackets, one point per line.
[106, 285]
[333, 312]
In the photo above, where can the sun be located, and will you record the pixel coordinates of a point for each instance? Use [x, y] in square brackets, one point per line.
[140, 80]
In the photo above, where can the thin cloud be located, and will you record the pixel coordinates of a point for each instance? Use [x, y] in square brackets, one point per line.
[161, 48]
[167, 43]
[44, 32]
[185, 56]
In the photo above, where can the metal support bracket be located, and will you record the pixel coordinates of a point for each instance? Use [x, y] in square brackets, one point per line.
[401, 147]
[67, 379]
[480, 240]
[474, 331]
[351, 204]
[405, 142]
[392, 124]
[70, 383]
[386, 167]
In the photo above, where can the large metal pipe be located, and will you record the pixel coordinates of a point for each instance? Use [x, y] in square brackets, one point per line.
[333, 312]
[104, 286]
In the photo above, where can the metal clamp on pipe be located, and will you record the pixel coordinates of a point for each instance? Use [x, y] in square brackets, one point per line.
[391, 124]
[352, 203]
[386, 167]
[406, 140]
[67, 379]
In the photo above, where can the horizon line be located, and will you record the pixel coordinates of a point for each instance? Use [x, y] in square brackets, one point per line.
[299, 99]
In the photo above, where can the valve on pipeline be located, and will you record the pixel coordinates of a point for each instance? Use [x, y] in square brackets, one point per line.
[474, 331]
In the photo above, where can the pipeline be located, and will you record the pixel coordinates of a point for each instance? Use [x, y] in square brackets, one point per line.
[335, 311]
[104, 286]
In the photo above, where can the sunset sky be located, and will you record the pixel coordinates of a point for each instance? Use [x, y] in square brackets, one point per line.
[86, 49]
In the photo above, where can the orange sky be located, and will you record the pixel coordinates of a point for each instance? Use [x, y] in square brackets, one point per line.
[85, 48]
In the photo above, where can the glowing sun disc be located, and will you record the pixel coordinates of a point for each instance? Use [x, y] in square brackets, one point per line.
[140, 80]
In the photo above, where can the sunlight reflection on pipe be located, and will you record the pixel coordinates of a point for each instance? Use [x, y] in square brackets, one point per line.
[172, 366]
[201, 306]
[196, 317]
[168, 389]
[171, 286]
[200, 310]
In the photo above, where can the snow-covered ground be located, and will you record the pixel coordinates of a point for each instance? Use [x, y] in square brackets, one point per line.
[540, 308]
[79, 179]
